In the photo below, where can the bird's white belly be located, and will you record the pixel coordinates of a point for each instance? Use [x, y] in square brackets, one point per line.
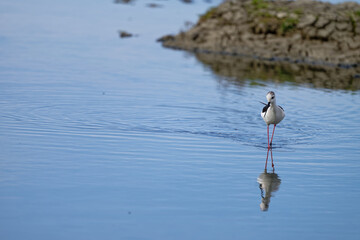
[274, 116]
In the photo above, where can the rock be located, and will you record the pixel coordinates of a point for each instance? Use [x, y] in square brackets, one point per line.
[325, 33]
[166, 38]
[322, 22]
[227, 16]
[238, 16]
[296, 37]
[124, 34]
[306, 20]
[281, 15]
[343, 26]
[293, 16]
[310, 33]
[342, 46]
[153, 5]
[352, 43]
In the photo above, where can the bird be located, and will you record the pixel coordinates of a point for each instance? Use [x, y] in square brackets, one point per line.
[272, 114]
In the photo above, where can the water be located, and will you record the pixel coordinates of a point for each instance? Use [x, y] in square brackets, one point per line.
[109, 138]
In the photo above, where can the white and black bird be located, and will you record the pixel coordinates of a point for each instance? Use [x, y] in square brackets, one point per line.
[272, 114]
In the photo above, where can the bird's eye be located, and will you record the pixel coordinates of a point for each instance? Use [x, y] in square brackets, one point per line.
[272, 97]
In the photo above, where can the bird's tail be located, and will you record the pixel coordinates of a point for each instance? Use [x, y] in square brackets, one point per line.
[262, 103]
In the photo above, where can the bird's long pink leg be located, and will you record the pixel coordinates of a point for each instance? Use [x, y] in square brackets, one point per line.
[272, 135]
[268, 136]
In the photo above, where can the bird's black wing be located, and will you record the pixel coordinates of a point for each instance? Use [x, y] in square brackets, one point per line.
[281, 108]
[266, 108]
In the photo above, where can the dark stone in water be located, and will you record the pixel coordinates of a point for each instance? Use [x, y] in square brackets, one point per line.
[153, 5]
[124, 34]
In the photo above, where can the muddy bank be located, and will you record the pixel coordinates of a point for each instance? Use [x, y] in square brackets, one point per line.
[302, 31]
[240, 70]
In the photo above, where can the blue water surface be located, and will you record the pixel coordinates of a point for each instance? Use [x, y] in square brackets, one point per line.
[104, 137]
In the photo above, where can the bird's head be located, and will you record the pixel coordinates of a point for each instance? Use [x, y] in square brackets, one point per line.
[270, 96]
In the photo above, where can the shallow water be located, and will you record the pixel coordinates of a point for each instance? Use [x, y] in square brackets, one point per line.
[109, 138]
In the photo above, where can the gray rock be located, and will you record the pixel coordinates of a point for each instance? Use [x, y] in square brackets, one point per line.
[325, 33]
[281, 15]
[353, 43]
[310, 32]
[124, 34]
[306, 20]
[322, 22]
[238, 16]
[343, 26]
[296, 37]
[227, 16]
[166, 38]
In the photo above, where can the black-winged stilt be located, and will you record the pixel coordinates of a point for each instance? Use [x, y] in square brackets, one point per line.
[272, 114]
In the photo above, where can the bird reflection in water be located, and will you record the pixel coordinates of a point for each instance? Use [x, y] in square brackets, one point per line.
[268, 183]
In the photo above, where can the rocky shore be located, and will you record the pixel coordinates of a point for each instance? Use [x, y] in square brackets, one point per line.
[302, 31]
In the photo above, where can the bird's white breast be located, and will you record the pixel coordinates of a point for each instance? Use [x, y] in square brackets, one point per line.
[273, 115]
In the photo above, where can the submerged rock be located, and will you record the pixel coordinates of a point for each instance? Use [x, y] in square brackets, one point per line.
[297, 31]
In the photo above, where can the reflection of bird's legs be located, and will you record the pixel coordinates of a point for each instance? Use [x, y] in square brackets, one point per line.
[267, 156]
[272, 135]
[272, 160]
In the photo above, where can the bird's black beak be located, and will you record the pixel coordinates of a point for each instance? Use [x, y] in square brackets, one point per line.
[268, 105]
